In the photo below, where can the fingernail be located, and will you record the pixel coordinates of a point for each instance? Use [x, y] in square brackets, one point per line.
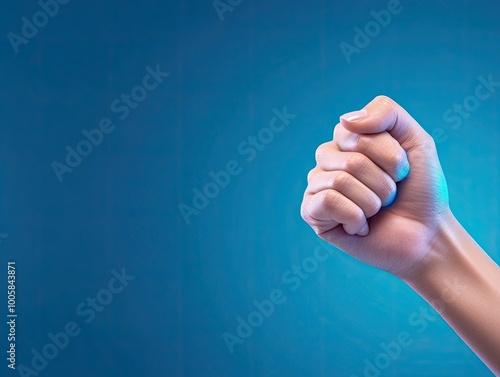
[364, 230]
[354, 116]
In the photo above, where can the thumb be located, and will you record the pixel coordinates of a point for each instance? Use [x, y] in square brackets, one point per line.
[384, 114]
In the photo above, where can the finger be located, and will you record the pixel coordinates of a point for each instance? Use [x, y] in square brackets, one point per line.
[329, 208]
[348, 186]
[329, 158]
[383, 114]
[381, 148]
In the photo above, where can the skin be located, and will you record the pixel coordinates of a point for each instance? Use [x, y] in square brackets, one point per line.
[378, 193]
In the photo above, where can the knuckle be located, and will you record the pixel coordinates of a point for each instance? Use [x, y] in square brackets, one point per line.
[304, 212]
[321, 152]
[382, 97]
[328, 199]
[311, 174]
[356, 164]
[386, 105]
[360, 142]
[338, 131]
[353, 143]
[428, 141]
[384, 101]
[340, 134]
[397, 160]
[341, 180]
[423, 139]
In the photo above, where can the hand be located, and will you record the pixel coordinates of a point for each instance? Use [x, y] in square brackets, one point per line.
[378, 191]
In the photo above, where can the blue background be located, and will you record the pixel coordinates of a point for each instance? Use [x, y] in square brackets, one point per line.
[119, 208]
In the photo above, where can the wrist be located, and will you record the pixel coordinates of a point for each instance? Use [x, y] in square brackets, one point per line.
[454, 265]
[440, 245]
[447, 253]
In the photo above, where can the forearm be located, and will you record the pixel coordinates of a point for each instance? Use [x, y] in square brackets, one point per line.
[463, 284]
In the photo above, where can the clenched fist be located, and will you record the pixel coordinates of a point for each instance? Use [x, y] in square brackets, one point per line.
[378, 191]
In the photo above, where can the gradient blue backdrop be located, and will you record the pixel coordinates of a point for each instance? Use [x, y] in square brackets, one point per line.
[119, 208]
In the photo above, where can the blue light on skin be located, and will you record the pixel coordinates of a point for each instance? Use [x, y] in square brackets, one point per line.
[443, 194]
[402, 174]
[391, 199]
